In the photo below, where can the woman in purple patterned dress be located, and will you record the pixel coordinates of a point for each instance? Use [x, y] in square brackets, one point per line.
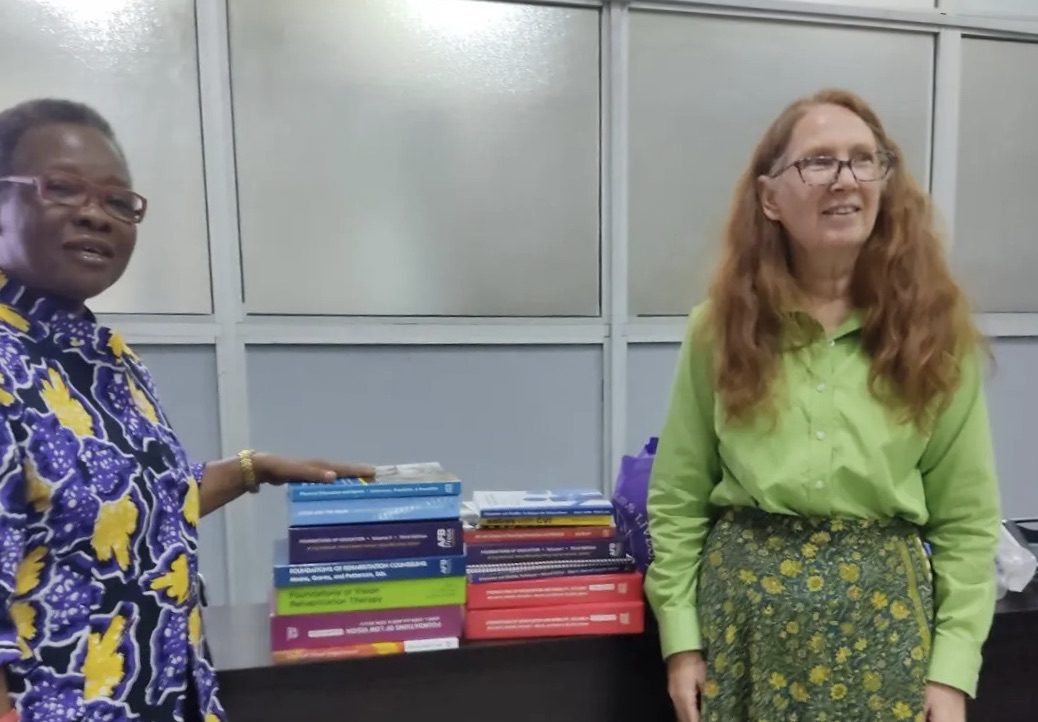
[99, 506]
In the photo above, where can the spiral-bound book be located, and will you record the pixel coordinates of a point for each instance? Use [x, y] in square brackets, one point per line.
[583, 589]
[556, 621]
[480, 573]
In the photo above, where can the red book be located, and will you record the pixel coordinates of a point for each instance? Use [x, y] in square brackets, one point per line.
[538, 534]
[557, 621]
[585, 589]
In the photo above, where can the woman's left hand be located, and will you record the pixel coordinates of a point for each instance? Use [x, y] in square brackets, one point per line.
[274, 469]
[944, 703]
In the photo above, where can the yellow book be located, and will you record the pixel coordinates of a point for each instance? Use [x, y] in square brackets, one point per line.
[552, 507]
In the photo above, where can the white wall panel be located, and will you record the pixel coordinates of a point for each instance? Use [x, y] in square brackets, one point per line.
[135, 62]
[438, 157]
[703, 91]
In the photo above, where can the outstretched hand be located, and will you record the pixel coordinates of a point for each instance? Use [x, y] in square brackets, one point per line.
[223, 481]
[276, 470]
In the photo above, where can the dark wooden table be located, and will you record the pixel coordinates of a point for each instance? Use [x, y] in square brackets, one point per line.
[592, 679]
[1009, 678]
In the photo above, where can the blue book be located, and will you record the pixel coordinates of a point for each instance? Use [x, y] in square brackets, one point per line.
[563, 502]
[398, 480]
[287, 574]
[343, 489]
[368, 511]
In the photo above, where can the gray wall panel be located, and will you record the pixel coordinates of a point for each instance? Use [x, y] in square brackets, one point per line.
[1004, 8]
[186, 380]
[1013, 400]
[995, 249]
[883, 4]
[650, 373]
[499, 417]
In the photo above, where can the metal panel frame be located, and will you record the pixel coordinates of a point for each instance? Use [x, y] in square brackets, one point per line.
[615, 232]
[231, 331]
[944, 154]
[214, 65]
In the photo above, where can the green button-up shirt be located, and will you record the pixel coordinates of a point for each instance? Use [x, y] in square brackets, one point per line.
[832, 449]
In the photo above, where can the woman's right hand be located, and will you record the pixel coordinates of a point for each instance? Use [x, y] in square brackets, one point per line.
[686, 675]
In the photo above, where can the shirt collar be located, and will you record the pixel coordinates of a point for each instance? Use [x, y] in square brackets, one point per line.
[804, 322]
[44, 308]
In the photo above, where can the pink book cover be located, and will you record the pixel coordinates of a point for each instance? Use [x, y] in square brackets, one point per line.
[563, 620]
[325, 631]
[591, 588]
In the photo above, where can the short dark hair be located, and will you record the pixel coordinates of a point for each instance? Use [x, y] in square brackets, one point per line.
[17, 120]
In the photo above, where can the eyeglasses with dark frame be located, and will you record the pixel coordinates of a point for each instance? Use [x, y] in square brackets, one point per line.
[823, 170]
[67, 189]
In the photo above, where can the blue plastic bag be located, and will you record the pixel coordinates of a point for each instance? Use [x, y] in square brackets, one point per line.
[629, 504]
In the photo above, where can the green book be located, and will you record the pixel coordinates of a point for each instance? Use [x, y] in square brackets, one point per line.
[359, 596]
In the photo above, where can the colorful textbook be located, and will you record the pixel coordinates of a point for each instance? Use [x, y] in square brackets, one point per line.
[327, 631]
[567, 503]
[373, 510]
[547, 563]
[370, 567]
[403, 492]
[371, 649]
[558, 508]
[386, 540]
[564, 620]
[287, 574]
[358, 596]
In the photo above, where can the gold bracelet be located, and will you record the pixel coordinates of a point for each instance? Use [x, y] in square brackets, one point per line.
[248, 471]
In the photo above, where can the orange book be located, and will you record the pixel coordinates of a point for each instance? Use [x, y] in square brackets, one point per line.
[372, 649]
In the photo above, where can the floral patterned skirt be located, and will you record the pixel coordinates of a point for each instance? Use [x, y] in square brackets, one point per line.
[814, 620]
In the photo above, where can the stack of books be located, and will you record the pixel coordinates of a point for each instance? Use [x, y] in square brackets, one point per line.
[370, 567]
[546, 564]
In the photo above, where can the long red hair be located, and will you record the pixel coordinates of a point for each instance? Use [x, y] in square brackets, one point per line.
[916, 321]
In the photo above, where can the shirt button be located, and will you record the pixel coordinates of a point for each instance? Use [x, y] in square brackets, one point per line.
[820, 435]
[832, 343]
[820, 387]
[819, 484]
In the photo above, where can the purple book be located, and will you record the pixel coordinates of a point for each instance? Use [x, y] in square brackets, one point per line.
[543, 551]
[323, 631]
[384, 540]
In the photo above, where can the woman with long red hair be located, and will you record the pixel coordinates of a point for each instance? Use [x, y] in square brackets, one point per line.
[827, 416]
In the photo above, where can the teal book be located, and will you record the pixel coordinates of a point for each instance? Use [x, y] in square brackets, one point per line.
[368, 511]
[398, 480]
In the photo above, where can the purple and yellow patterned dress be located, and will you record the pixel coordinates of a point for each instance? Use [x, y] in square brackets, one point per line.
[99, 512]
